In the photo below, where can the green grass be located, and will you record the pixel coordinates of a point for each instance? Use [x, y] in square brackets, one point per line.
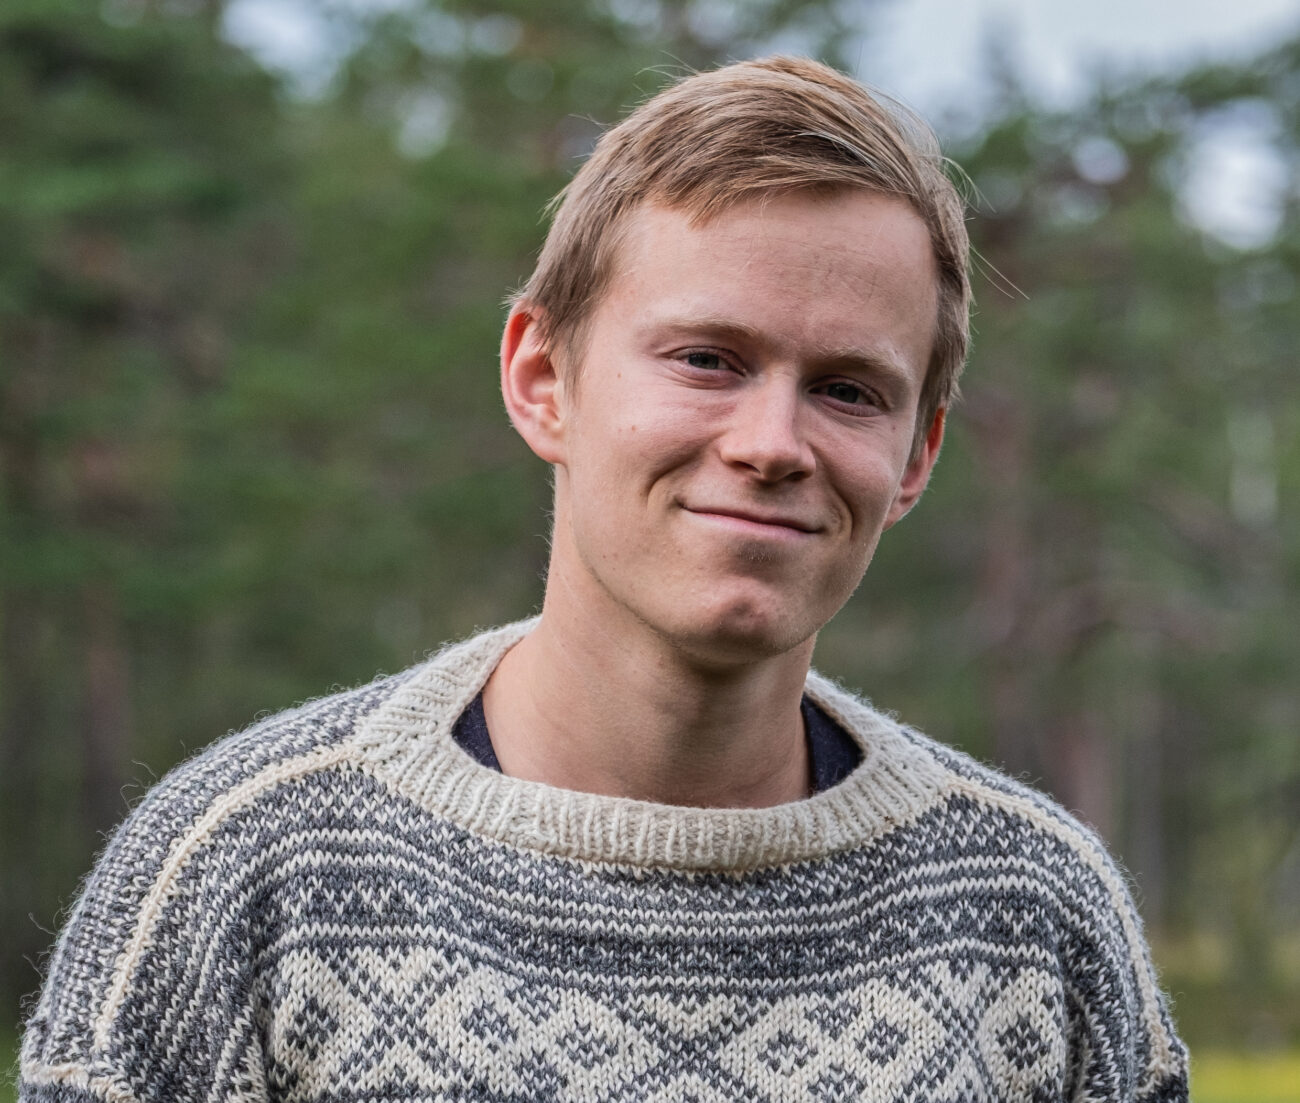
[1227, 1077]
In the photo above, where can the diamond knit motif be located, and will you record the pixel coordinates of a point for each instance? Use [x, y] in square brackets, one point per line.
[342, 907]
[1023, 1043]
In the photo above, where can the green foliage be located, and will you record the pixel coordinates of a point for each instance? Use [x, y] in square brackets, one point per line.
[1115, 513]
[250, 439]
[1106, 558]
[134, 165]
[251, 444]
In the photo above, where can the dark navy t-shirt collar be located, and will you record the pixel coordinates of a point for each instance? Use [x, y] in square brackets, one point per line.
[832, 753]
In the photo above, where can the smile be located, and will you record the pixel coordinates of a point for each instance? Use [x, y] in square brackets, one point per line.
[754, 523]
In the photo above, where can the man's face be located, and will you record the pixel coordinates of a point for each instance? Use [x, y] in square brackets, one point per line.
[737, 434]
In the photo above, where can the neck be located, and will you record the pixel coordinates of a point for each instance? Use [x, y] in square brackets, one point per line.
[587, 704]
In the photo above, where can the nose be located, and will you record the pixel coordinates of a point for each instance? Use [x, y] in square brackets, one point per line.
[765, 434]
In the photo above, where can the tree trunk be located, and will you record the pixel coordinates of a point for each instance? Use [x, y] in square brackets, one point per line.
[1005, 578]
[106, 725]
[1080, 771]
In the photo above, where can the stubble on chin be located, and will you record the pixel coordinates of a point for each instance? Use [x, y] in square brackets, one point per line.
[756, 555]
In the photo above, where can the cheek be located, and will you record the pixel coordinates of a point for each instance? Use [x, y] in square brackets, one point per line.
[867, 487]
[648, 444]
[614, 474]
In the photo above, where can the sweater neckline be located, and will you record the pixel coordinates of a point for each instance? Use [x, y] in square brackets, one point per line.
[407, 743]
[832, 755]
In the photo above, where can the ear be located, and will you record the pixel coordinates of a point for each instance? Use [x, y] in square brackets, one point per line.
[917, 473]
[531, 386]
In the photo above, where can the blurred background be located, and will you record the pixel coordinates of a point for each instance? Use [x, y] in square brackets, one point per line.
[252, 260]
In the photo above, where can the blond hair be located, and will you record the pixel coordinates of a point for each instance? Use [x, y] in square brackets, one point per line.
[778, 124]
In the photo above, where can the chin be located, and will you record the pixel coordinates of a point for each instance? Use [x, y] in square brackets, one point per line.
[738, 636]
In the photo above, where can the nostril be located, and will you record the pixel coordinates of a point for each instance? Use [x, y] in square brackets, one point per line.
[770, 455]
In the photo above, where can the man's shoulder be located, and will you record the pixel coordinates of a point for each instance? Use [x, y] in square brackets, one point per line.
[325, 731]
[184, 866]
[975, 805]
[1015, 856]
[307, 736]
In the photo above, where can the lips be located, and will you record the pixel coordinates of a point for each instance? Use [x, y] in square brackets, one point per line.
[755, 517]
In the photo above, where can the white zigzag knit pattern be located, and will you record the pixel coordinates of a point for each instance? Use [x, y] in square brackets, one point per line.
[341, 905]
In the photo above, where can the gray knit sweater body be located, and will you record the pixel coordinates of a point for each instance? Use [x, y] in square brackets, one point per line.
[341, 905]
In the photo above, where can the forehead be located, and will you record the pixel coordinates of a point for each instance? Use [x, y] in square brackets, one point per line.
[853, 269]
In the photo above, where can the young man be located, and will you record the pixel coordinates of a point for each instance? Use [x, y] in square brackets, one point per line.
[634, 849]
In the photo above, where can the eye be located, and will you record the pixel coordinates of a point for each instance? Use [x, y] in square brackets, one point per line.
[705, 360]
[847, 393]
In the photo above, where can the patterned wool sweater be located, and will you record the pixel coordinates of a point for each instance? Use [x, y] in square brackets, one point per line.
[340, 904]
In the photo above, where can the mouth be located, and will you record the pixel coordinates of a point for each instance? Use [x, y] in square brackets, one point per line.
[754, 521]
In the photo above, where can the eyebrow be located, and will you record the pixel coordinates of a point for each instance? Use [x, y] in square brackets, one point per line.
[848, 358]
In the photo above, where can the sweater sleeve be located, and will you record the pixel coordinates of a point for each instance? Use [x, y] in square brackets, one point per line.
[1122, 1044]
[149, 993]
[152, 991]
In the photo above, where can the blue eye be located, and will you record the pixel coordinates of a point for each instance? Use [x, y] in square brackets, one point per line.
[707, 361]
[846, 392]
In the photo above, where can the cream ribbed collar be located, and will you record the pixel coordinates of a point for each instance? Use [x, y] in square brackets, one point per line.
[407, 742]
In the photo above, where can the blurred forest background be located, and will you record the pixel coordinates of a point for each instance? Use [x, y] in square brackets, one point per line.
[251, 445]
